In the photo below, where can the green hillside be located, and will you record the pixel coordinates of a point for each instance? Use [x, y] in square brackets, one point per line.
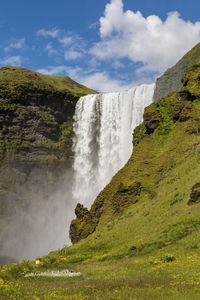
[145, 223]
[171, 79]
[15, 77]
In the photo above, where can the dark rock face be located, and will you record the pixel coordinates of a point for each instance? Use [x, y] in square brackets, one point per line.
[84, 225]
[35, 144]
[81, 211]
[195, 195]
[171, 80]
[86, 221]
[177, 111]
[151, 120]
[36, 119]
[185, 95]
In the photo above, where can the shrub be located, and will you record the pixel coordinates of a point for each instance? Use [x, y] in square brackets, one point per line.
[167, 258]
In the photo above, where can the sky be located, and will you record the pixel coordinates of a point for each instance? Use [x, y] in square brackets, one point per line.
[107, 45]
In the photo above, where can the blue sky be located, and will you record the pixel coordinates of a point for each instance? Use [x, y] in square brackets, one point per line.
[108, 45]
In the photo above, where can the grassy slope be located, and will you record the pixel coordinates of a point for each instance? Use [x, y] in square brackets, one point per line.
[19, 76]
[146, 246]
[171, 79]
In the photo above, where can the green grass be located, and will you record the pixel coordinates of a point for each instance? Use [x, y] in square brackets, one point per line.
[128, 278]
[146, 241]
[64, 82]
[14, 80]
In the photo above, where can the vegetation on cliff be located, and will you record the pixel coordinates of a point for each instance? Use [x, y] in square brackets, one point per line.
[36, 120]
[36, 112]
[143, 228]
[171, 79]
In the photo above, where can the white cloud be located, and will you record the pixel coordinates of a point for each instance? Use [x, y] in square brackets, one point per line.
[94, 25]
[66, 45]
[65, 41]
[12, 61]
[53, 33]
[51, 51]
[99, 81]
[17, 44]
[62, 71]
[157, 44]
[51, 70]
[72, 54]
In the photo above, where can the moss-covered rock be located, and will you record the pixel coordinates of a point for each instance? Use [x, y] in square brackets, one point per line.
[195, 194]
[83, 226]
[151, 119]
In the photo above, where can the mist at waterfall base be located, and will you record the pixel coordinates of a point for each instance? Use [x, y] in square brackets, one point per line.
[39, 227]
[103, 128]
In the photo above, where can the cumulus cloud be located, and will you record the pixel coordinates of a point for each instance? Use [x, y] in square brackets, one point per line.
[12, 61]
[53, 33]
[145, 45]
[157, 44]
[17, 44]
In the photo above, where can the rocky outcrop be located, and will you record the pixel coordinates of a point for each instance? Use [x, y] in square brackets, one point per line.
[195, 194]
[86, 220]
[171, 80]
[83, 225]
[151, 119]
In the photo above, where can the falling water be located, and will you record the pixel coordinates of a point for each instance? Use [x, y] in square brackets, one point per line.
[103, 128]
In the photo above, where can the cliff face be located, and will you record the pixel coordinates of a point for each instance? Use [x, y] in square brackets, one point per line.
[35, 135]
[157, 191]
[171, 79]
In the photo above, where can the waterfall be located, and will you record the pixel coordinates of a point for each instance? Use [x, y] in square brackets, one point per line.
[103, 127]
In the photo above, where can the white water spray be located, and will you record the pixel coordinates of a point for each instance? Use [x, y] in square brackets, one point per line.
[103, 127]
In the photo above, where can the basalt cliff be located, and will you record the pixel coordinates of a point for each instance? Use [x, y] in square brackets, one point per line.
[36, 113]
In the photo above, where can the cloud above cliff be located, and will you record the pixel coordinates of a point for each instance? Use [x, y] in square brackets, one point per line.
[12, 61]
[156, 43]
[112, 46]
[99, 81]
[126, 40]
